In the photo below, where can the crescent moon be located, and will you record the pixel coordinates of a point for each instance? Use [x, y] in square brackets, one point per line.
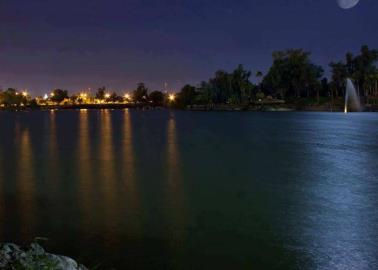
[347, 4]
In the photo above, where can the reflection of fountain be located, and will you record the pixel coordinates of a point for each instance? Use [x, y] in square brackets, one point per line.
[351, 94]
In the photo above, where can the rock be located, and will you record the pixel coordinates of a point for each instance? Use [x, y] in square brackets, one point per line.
[34, 257]
[66, 263]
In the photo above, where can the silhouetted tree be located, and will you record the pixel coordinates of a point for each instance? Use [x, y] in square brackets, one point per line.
[114, 98]
[241, 86]
[325, 89]
[227, 87]
[360, 68]
[11, 97]
[58, 95]
[100, 94]
[187, 96]
[157, 98]
[339, 74]
[292, 74]
[364, 68]
[140, 94]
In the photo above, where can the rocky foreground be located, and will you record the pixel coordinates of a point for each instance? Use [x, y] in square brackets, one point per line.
[34, 257]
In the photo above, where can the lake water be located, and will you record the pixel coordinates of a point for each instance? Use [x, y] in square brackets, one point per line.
[193, 190]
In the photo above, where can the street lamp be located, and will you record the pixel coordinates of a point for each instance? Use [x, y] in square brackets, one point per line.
[171, 97]
[127, 97]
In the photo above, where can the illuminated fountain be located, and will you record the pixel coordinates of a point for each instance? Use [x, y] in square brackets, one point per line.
[351, 94]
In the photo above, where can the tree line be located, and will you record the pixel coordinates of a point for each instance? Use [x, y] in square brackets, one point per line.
[292, 76]
[12, 97]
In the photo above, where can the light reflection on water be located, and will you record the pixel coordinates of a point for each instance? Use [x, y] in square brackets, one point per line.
[108, 178]
[53, 154]
[177, 189]
[174, 193]
[85, 195]
[129, 188]
[26, 185]
[338, 233]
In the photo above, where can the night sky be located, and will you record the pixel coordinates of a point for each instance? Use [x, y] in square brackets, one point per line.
[74, 44]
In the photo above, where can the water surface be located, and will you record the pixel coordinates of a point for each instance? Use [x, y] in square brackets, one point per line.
[192, 190]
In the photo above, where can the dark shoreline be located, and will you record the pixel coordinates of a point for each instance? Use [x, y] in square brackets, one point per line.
[228, 108]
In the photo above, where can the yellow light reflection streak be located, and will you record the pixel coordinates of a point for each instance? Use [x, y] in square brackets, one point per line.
[108, 177]
[129, 178]
[174, 190]
[26, 187]
[85, 196]
[53, 152]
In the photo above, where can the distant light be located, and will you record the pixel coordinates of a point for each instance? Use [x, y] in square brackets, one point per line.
[107, 95]
[127, 96]
[171, 97]
[46, 96]
[52, 94]
[25, 94]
